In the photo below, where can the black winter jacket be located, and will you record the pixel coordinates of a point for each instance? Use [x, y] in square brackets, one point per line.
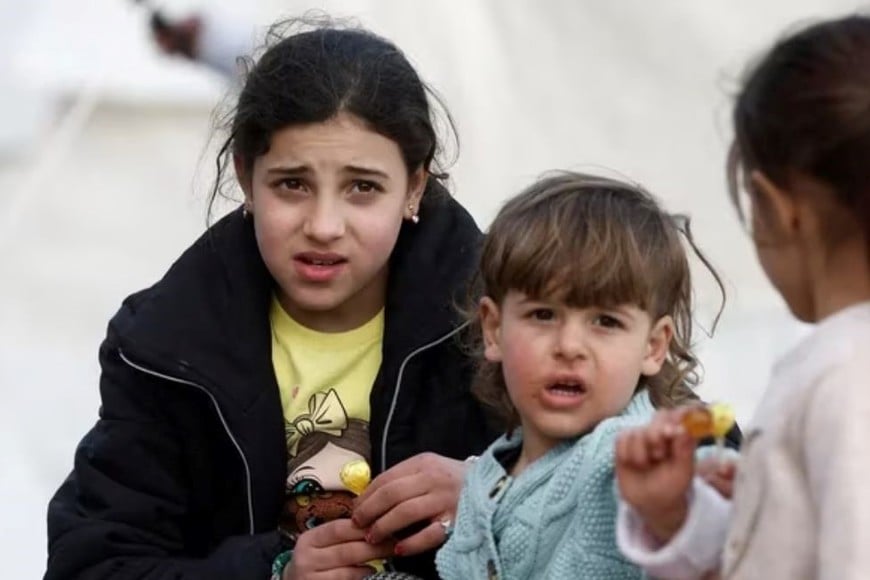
[183, 474]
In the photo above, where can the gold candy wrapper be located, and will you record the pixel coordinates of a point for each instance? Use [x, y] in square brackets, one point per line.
[711, 421]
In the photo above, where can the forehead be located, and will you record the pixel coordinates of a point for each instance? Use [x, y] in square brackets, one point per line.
[339, 142]
[520, 299]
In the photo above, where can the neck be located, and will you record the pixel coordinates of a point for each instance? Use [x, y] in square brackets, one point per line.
[844, 279]
[535, 446]
[354, 312]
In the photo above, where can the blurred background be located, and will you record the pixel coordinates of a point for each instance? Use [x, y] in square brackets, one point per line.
[106, 162]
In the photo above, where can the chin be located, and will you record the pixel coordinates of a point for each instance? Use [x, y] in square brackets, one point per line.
[803, 310]
[561, 432]
[804, 315]
[324, 301]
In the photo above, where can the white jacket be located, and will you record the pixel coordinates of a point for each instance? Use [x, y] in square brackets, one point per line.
[801, 504]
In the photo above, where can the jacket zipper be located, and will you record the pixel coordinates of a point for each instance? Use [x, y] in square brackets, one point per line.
[399, 386]
[238, 447]
[223, 420]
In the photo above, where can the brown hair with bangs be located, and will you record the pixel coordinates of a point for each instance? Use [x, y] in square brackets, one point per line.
[586, 240]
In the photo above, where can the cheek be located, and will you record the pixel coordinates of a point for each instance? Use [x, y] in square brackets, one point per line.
[519, 363]
[274, 233]
[767, 261]
[775, 263]
[785, 270]
[376, 229]
[620, 370]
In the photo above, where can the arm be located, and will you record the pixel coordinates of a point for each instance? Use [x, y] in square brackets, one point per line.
[122, 511]
[693, 551]
[836, 446]
[669, 522]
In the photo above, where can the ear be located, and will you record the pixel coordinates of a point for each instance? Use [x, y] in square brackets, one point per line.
[490, 324]
[658, 343]
[244, 177]
[416, 186]
[774, 209]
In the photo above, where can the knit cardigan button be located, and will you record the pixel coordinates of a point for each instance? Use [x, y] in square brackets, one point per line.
[492, 573]
[499, 485]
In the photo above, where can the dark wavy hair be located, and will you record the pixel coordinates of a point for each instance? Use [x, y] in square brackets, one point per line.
[313, 68]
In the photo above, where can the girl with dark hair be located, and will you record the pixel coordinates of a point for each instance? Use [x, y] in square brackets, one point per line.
[324, 305]
[800, 510]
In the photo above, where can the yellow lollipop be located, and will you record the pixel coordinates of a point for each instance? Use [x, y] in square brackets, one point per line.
[356, 475]
[723, 419]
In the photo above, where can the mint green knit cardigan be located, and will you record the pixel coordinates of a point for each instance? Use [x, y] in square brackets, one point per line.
[555, 520]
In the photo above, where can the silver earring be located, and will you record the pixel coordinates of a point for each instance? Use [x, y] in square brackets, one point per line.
[245, 212]
[415, 219]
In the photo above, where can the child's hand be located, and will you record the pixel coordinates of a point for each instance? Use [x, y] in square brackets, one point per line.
[655, 465]
[719, 475]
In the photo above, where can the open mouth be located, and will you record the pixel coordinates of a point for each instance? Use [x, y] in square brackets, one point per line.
[320, 261]
[567, 389]
[319, 267]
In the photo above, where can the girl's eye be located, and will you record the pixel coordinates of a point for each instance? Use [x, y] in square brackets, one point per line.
[290, 184]
[364, 186]
[607, 321]
[542, 314]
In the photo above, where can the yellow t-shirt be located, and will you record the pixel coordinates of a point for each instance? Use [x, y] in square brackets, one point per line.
[325, 380]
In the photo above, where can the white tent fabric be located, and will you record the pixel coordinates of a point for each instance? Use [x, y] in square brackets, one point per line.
[631, 87]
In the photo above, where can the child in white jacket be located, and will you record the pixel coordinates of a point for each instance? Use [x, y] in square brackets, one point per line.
[801, 506]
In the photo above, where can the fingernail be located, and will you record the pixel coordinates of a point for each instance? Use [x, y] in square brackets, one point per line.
[369, 537]
[399, 550]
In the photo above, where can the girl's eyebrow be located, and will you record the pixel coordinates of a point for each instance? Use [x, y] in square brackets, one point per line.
[288, 170]
[362, 170]
[303, 169]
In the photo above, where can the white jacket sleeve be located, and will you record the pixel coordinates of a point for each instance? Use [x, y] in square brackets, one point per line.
[696, 548]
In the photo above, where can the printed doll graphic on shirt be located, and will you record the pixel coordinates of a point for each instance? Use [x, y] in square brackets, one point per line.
[321, 443]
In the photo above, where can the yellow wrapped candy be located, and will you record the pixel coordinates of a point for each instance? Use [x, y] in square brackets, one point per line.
[356, 475]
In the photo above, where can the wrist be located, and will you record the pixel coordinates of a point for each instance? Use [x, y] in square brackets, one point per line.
[663, 523]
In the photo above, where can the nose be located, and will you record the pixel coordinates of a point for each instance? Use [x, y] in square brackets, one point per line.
[571, 339]
[325, 220]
